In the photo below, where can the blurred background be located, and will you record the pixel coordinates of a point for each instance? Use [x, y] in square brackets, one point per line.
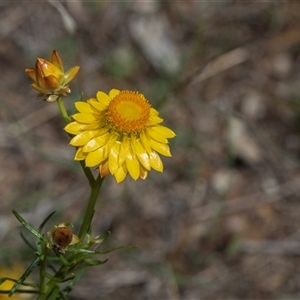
[223, 220]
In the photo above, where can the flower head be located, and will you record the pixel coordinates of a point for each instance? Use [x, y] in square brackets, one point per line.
[121, 133]
[49, 77]
[61, 237]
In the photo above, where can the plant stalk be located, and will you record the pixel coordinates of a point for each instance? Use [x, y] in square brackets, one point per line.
[88, 216]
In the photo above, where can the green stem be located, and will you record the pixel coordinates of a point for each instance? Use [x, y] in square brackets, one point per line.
[88, 216]
[63, 110]
[52, 284]
[88, 173]
[43, 274]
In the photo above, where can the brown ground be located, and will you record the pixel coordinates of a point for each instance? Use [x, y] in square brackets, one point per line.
[222, 221]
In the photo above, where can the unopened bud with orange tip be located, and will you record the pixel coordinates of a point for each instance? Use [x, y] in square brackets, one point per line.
[61, 237]
[49, 77]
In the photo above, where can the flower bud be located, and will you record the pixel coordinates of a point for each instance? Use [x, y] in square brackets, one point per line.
[49, 77]
[61, 237]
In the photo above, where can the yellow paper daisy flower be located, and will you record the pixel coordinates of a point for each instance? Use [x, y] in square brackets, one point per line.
[121, 133]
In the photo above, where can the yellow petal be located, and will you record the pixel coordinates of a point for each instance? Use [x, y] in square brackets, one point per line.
[145, 141]
[154, 112]
[103, 98]
[79, 155]
[73, 128]
[94, 126]
[62, 224]
[156, 162]
[97, 105]
[156, 135]
[84, 118]
[154, 120]
[165, 131]
[38, 88]
[113, 93]
[82, 138]
[125, 145]
[46, 68]
[51, 82]
[133, 165]
[141, 153]
[83, 107]
[113, 138]
[31, 73]
[160, 148]
[70, 74]
[75, 239]
[121, 173]
[56, 60]
[96, 143]
[113, 159]
[95, 158]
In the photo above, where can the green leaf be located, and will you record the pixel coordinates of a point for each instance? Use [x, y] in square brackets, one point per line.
[62, 296]
[69, 278]
[24, 276]
[55, 279]
[116, 248]
[77, 258]
[94, 262]
[73, 282]
[3, 279]
[87, 251]
[80, 255]
[54, 294]
[62, 259]
[45, 221]
[22, 291]
[59, 280]
[27, 242]
[51, 267]
[27, 226]
[88, 262]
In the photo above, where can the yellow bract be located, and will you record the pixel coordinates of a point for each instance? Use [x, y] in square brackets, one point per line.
[120, 133]
[49, 77]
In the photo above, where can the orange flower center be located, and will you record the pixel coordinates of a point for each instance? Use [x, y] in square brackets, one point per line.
[128, 112]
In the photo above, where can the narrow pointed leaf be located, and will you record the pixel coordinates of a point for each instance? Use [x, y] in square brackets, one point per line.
[27, 242]
[62, 259]
[24, 276]
[27, 226]
[45, 221]
[94, 262]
